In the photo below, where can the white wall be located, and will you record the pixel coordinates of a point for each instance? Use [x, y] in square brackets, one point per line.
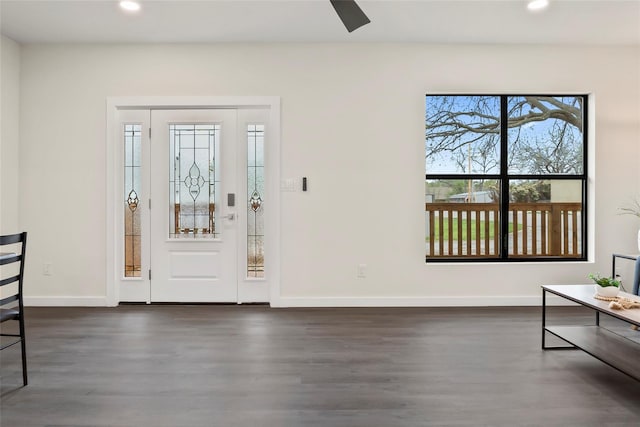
[9, 134]
[353, 123]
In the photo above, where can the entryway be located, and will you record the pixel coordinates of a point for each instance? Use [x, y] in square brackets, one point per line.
[193, 193]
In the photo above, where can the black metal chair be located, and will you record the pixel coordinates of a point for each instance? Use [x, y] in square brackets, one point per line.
[11, 304]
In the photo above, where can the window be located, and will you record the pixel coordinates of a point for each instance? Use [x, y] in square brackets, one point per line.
[506, 177]
[255, 197]
[131, 192]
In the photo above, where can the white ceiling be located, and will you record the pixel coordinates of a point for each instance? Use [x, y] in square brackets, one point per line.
[600, 22]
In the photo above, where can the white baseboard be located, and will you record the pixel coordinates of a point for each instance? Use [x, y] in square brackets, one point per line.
[479, 301]
[284, 302]
[98, 301]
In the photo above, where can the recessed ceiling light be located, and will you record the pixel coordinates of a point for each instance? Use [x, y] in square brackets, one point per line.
[536, 5]
[130, 5]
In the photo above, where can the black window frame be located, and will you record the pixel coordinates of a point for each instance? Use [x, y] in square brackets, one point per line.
[505, 177]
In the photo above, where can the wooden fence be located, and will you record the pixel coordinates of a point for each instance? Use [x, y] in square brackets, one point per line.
[473, 230]
[179, 229]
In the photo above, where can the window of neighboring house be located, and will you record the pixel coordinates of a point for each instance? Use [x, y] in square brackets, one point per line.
[506, 177]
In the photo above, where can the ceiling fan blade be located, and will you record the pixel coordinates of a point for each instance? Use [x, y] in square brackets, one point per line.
[350, 13]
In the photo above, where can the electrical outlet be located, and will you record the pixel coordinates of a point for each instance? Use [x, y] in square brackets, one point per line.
[362, 270]
[47, 269]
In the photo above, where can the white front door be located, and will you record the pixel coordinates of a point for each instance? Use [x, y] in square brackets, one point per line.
[193, 206]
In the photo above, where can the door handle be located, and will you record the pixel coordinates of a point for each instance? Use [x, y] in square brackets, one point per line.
[230, 216]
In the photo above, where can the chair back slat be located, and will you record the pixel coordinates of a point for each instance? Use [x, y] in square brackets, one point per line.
[9, 299]
[10, 239]
[9, 258]
[8, 280]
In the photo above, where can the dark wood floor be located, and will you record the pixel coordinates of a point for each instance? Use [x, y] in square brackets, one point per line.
[229, 366]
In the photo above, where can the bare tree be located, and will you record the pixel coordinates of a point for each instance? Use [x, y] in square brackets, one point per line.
[464, 131]
[560, 152]
[540, 108]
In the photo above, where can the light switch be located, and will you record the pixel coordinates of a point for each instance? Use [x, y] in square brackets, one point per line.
[288, 184]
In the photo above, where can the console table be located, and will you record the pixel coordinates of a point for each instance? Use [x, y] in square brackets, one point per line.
[611, 348]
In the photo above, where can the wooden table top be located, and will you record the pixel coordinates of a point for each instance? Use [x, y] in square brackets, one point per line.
[585, 295]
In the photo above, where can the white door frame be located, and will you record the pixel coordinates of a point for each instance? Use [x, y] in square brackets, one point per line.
[272, 178]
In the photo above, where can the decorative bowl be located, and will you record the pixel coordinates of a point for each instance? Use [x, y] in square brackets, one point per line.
[607, 291]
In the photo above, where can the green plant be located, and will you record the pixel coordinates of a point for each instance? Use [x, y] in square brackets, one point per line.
[604, 281]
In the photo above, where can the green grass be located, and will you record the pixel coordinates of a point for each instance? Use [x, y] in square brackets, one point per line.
[445, 230]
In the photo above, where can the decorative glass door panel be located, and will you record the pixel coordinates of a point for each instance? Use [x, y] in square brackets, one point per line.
[193, 179]
[133, 194]
[132, 188]
[255, 196]
[256, 202]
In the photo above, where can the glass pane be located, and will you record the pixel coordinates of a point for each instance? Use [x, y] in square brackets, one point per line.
[545, 135]
[193, 165]
[255, 196]
[545, 218]
[462, 218]
[131, 196]
[462, 134]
